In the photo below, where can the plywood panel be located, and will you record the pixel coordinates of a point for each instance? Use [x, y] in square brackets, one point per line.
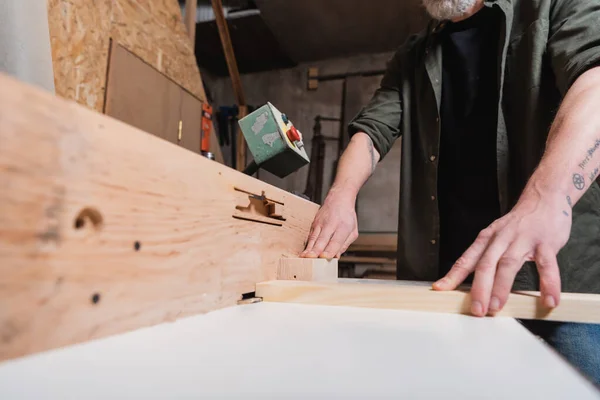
[80, 33]
[141, 96]
[105, 228]
[79, 36]
[291, 351]
[154, 31]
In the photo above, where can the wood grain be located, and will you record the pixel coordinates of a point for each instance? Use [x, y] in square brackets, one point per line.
[574, 307]
[80, 34]
[105, 228]
[307, 269]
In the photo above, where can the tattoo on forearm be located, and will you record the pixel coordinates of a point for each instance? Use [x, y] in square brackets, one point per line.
[566, 213]
[372, 152]
[594, 174]
[578, 181]
[589, 154]
[569, 202]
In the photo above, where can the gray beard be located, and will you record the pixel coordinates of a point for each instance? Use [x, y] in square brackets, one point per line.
[448, 9]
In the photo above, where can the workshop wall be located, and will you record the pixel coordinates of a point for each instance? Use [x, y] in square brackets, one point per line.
[80, 33]
[287, 90]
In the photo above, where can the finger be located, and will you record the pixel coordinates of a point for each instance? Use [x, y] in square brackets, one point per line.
[508, 266]
[466, 263]
[335, 244]
[549, 272]
[312, 238]
[347, 243]
[485, 272]
[323, 240]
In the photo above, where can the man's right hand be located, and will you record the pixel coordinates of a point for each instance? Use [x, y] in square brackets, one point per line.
[335, 226]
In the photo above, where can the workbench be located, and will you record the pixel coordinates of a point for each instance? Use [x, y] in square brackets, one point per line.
[131, 267]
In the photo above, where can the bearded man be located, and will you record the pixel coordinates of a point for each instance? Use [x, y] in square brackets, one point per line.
[498, 106]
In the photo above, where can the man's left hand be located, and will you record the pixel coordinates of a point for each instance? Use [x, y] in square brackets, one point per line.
[535, 230]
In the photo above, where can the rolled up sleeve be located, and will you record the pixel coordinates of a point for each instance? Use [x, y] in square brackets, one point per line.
[574, 39]
[380, 118]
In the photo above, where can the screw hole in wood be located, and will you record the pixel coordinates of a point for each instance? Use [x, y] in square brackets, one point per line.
[88, 217]
[137, 245]
[95, 298]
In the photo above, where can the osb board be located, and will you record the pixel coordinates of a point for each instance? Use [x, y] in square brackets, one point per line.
[154, 31]
[79, 35]
[80, 32]
[105, 228]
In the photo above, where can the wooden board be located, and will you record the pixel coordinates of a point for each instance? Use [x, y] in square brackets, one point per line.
[80, 34]
[574, 307]
[375, 242]
[105, 228]
[293, 351]
[140, 96]
[153, 30]
[307, 269]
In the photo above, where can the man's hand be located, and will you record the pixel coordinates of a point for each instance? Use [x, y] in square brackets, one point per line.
[334, 228]
[535, 230]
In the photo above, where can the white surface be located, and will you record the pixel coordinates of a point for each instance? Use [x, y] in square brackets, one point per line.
[25, 42]
[270, 350]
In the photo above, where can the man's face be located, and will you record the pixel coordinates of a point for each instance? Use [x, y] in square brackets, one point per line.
[448, 9]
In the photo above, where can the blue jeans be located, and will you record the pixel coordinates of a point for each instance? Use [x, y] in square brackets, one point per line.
[579, 344]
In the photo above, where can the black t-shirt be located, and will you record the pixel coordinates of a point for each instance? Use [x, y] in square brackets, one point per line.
[467, 181]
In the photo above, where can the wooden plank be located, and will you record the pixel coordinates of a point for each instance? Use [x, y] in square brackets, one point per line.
[288, 351]
[190, 19]
[236, 81]
[234, 73]
[307, 269]
[105, 228]
[375, 242]
[574, 307]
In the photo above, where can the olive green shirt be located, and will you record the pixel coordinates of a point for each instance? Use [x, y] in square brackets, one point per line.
[545, 46]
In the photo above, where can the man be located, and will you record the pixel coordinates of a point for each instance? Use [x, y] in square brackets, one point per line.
[498, 105]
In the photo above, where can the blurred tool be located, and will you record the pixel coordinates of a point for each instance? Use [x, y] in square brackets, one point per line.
[274, 142]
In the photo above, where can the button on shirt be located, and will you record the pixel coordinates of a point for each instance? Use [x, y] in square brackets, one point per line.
[467, 182]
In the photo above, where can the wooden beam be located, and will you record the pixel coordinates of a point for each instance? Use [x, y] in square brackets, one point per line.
[190, 19]
[574, 307]
[236, 81]
[307, 269]
[105, 228]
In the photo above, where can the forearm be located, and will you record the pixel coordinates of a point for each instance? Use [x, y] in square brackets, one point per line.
[356, 165]
[571, 161]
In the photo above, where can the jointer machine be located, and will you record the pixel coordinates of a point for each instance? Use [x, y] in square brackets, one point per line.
[133, 268]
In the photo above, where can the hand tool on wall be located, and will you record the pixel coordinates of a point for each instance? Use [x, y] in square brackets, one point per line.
[205, 128]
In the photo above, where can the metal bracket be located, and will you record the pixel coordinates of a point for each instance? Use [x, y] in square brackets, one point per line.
[259, 208]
